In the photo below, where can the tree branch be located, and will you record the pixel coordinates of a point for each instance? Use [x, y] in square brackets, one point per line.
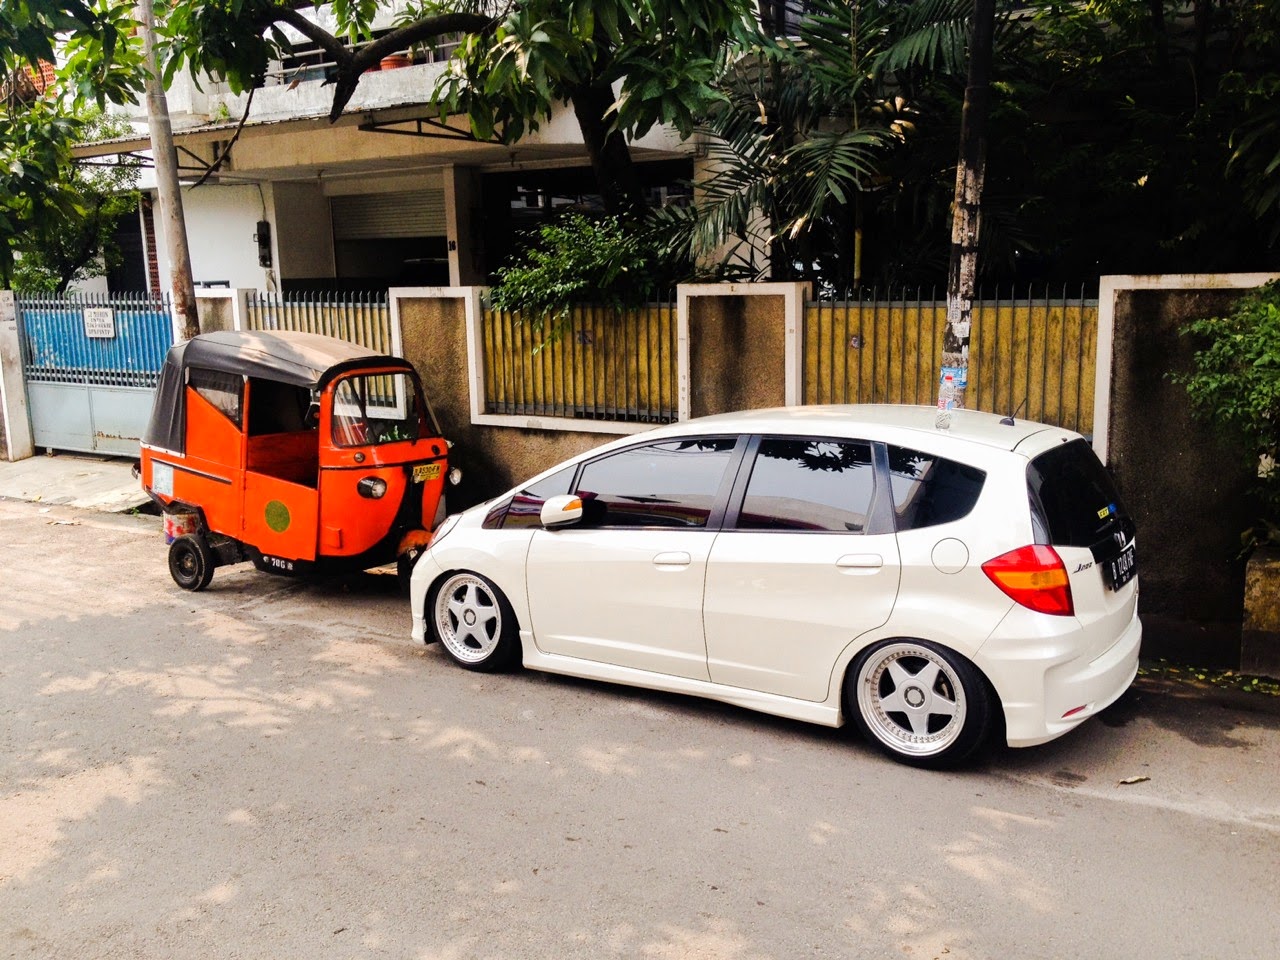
[352, 64]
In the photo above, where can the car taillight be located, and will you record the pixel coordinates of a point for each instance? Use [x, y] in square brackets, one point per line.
[1035, 577]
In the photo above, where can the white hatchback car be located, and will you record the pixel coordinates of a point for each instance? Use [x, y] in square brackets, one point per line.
[819, 563]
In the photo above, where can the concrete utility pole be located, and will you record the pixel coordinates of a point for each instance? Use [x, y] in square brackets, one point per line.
[970, 170]
[167, 188]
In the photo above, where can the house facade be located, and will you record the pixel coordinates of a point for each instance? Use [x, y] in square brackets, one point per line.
[388, 195]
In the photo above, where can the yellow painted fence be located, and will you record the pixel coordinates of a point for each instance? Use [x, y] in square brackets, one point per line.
[1036, 356]
[599, 364]
[1033, 357]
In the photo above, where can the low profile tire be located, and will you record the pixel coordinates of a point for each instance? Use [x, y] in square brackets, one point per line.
[920, 703]
[191, 562]
[474, 623]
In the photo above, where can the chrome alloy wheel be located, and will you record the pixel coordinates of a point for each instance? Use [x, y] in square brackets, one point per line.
[911, 699]
[468, 618]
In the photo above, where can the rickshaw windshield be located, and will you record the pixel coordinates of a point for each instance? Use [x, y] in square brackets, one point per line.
[369, 409]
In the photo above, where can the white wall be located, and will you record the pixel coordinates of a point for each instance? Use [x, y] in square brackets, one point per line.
[221, 222]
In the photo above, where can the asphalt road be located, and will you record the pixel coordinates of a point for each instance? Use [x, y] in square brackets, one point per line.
[270, 769]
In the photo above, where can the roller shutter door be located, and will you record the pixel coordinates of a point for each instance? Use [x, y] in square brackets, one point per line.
[376, 216]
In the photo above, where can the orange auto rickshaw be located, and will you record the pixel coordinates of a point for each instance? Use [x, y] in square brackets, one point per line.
[298, 452]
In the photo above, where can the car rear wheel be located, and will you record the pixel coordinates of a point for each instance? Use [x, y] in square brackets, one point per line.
[474, 622]
[919, 702]
[191, 562]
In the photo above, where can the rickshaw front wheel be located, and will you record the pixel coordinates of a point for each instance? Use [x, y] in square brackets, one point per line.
[191, 562]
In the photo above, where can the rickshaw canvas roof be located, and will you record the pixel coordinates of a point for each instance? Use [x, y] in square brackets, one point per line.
[301, 359]
[289, 356]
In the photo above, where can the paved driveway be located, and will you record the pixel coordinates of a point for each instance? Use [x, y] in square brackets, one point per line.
[270, 770]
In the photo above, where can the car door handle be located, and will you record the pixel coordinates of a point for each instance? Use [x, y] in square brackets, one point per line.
[860, 563]
[675, 558]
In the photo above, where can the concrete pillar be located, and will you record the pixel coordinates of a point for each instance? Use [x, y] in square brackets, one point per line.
[13, 387]
[462, 221]
[738, 346]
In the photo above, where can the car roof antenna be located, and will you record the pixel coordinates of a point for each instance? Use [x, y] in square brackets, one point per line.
[1008, 421]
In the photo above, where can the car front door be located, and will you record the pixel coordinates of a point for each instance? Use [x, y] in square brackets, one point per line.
[625, 586]
[807, 562]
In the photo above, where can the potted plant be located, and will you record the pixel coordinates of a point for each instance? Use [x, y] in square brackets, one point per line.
[1235, 384]
[393, 61]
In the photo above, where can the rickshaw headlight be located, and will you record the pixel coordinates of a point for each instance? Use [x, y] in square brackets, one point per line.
[372, 487]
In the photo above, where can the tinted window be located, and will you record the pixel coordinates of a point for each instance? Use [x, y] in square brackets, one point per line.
[224, 390]
[929, 490]
[671, 484]
[805, 484]
[1075, 502]
[525, 508]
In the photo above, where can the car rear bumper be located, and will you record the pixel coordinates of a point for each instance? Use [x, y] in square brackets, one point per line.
[1072, 687]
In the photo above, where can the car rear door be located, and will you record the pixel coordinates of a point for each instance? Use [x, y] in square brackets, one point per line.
[625, 586]
[807, 562]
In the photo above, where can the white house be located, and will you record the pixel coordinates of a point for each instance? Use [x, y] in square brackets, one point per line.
[386, 196]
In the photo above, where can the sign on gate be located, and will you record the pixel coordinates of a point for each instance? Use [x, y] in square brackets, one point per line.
[100, 323]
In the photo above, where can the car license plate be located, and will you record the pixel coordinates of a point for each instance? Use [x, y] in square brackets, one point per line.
[1121, 569]
[425, 471]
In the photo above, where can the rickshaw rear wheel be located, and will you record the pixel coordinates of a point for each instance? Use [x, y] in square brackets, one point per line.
[191, 562]
[474, 622]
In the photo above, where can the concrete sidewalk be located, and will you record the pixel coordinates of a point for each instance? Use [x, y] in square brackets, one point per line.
[84, 481]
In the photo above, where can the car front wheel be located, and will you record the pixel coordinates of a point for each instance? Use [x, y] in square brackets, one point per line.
[474, 622]
[919, 702]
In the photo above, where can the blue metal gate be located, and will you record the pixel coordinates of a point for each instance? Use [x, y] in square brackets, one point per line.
[91, 364]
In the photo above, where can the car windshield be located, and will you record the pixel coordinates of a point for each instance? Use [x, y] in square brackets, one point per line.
[370, 409]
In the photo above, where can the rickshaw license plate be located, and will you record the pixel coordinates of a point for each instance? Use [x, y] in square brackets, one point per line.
[426, 471]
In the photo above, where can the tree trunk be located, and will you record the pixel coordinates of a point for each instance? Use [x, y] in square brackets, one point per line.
[963, 268]
[607, 149]
[168, 190]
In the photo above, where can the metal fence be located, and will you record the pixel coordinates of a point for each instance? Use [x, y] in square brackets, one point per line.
[1034, 355]
[363, 318]
[96, 339]
[598, 364]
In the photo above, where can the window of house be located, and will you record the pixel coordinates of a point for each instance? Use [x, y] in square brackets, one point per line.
[809, 484]
[671, 484]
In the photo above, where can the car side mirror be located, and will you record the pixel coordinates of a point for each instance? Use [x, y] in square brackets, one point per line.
[561, 511]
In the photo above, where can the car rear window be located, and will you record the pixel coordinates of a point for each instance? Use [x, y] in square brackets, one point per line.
[929, 490]
[1074, 502]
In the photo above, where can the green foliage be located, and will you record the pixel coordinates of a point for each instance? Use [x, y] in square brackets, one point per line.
[578, 259]
[663, 54]
[76, 243]
[803, 134]
[34, 164]
[1235, 384]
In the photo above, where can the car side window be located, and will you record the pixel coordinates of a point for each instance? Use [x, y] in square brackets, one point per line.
[525, 507]
[668, 484]
[225, 391]
[929, 490]
[809, 484]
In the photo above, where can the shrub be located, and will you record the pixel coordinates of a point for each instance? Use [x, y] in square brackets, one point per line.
[578, 259]
[1235, 384]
